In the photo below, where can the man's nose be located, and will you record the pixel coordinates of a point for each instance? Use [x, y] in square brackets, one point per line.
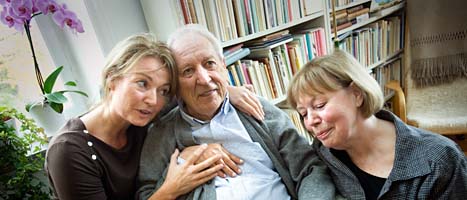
[203, 76]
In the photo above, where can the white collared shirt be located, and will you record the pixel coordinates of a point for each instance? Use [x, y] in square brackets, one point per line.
[258, 179]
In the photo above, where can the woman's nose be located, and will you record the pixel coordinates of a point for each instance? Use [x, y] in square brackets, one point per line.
[152, 97]
[311, 119]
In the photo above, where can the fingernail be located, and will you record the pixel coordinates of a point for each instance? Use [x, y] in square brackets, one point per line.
[234, 174]
[204, 145]
[239, 171]
[241, 161]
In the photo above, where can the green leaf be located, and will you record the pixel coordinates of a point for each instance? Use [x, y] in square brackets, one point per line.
[56, 97]
[58, 107]
[50, 81]
[75, 91]
[30, 105]
[70, 83]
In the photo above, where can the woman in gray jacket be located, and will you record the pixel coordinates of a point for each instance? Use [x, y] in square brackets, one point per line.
[371, 153]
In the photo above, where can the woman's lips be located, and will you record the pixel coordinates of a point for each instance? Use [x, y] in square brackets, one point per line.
[323, 134]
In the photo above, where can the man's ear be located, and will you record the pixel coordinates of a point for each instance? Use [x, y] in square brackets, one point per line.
[357, 93]
[225, 71]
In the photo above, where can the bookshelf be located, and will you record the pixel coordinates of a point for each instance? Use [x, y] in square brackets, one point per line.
[377, 40]
[347, 5]
[276, 37]
[375, 17]
[274, 29]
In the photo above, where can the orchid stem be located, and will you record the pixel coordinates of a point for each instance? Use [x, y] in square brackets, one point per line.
[39, 78]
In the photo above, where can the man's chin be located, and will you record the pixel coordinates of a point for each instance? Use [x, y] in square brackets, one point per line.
[207, 108]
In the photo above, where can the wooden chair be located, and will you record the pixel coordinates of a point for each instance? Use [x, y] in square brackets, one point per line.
[440, 109]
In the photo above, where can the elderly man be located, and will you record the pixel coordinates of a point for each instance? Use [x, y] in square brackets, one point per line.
[277, 162]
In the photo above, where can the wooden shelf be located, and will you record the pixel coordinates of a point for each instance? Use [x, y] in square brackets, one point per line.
[391, 58]
[279, 100]
[272, 30]
[375, 16]
[349, 5]
[271, 46]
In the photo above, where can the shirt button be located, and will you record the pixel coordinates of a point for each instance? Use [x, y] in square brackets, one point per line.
[90, 143]
[94, 157]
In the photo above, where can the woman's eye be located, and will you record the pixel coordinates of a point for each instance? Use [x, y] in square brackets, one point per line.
[303, 115]
[320, 106]
[142, 83]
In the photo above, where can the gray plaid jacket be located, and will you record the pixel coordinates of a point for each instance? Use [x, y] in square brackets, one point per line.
[426, 166]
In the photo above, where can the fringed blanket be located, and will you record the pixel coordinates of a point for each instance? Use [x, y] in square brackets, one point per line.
[438, 40]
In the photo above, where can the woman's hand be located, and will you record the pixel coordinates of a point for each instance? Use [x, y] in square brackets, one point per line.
[183, 178]
[228, 160]
[244, 98]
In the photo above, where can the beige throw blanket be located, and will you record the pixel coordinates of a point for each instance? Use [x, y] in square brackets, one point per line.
[438, 40]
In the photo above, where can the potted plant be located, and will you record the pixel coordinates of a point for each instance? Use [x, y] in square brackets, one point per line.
[18, 14]
[22, 161]
[55, 99]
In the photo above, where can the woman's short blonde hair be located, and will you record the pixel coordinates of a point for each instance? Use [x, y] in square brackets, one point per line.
[127, 52]
[333, 72]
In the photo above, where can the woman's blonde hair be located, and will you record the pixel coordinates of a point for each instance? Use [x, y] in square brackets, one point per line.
[333, 72]
[127, 52]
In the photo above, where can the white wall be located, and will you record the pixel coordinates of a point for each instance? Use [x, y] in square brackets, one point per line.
[105, 23]
[115, 20]
[161, 17]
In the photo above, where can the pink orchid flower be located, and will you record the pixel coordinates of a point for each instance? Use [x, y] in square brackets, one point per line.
[21, 9]
[10, 20]
[65, 17]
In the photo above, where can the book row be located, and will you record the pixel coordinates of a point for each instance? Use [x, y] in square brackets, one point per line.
[339, 3]
[375, 41]
[231, 19]
[350, 16]
[297, 121]
[386, 73]
[269, 69]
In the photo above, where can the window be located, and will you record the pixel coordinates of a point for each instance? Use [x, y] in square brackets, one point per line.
[18, 83]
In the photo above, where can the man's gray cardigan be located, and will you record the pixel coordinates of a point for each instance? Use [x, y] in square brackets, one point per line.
[303, 174]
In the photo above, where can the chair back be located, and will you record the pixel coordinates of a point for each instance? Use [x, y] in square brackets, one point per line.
[440, 108]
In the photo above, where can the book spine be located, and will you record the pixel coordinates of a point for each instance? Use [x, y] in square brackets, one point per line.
[239, 17]
[191, 8]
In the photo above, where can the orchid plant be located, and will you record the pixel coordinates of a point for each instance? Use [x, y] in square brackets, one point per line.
[18, 14]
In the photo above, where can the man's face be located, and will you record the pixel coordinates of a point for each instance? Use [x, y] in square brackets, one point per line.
[202, 83]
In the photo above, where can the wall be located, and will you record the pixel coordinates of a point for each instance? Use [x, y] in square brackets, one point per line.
[83, 55]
